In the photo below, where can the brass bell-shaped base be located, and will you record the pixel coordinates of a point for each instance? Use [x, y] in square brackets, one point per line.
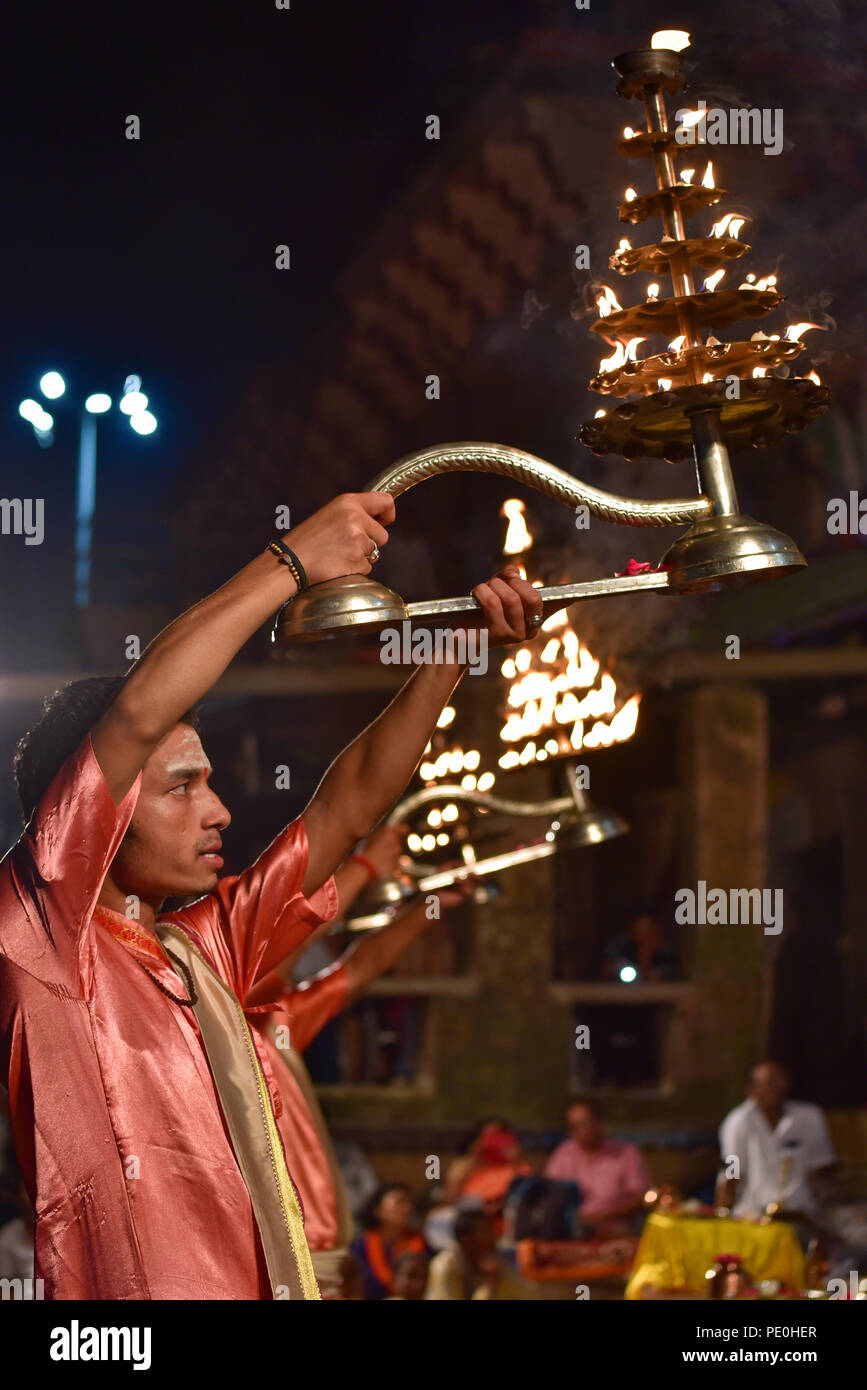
[353, 603]
[588, 827]
[721, 552]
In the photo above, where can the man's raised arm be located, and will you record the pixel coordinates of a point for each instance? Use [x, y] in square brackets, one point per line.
[366, 779]
[189, 656]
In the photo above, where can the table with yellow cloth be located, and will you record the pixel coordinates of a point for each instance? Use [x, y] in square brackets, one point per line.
[676, 1251]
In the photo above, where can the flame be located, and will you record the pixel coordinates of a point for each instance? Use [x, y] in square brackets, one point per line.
[624, 244]
[760, 371]
[445, 718]
[677, 343]
[630, 195]
[541, 699]
[730, 225]
[691, 118]
[767, 282]
[663, 383]
[628, 132]
[607, 302]
[707, 179]
[673, 39]
[796, 331]
[617, 359]
[713, 280]
[708, 376]
[686, 175]
[814, 377]
[653, 290]
[621, 728]
[518, 538]
[597, 415]
[632, 348]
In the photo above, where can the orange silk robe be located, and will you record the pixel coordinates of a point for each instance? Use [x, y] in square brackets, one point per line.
[117, 1125]
[305, 1011]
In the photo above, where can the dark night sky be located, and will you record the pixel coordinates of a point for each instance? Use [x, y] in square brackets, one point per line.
[259, 127]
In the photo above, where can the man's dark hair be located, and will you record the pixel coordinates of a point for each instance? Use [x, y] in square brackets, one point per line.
[67, 718]
[592, 1105]
[469, 1221]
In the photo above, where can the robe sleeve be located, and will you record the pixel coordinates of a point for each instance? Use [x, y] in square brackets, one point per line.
[313, 1004]
[57, 869]
[252, 920]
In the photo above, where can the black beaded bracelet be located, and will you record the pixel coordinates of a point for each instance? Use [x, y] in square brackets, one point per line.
[291, 561]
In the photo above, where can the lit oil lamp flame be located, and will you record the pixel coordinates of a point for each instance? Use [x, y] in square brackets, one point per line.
[630, 195]
[767, 282]
[675, 40]
[690, 118]
[607, 302]
[599, 414]
[518, 538]
[796, 331]
[663, 384]
[632, 348]
[677, 343]
[628, 132]
[730, 225]
[686, 175]
[624, 244]
[708, 376]
[760, 371]
[617, 359]
[814, 377]
[707, 177]
[653, 291]
[713, 280]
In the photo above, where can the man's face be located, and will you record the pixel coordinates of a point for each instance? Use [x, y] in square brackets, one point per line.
[770, 1085]
[584, 1127]
[410, 1281]
[172, 846]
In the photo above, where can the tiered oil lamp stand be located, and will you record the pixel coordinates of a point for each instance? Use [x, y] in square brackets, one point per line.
[700, 396]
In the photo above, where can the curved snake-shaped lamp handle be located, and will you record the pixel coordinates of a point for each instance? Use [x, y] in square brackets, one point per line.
[503, 460]
[491, 803]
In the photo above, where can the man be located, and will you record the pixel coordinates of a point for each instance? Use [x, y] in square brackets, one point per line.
[472, 1269]
[781, 1149]
[288, 1019]
[611, 1175]
[140, 1114]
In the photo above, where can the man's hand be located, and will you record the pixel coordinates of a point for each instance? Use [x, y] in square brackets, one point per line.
[339, 538]
[509, 604]
[385, 847]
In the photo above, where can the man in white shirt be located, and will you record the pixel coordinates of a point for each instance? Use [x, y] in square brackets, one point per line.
[782, 1150]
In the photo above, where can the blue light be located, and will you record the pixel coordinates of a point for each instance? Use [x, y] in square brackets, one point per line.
[52, 385]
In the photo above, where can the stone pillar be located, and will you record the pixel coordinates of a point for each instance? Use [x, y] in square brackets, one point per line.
[724, 774]
[506, 1050]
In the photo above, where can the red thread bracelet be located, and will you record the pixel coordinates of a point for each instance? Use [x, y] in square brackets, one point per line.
[368, 864]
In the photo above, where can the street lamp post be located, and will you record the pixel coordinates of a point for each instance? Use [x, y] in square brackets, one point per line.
[133, 403]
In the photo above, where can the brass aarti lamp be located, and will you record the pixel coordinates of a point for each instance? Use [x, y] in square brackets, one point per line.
[574, 824]
[701, 396]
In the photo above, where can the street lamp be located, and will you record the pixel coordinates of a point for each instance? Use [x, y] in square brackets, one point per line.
[133, 403]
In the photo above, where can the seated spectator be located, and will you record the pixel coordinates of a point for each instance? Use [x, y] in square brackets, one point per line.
[388, 1220]
[472, 1269]
[488, 1169]
[410, 1277]
[611, 1175]
[783, 1150]
[350, 1279]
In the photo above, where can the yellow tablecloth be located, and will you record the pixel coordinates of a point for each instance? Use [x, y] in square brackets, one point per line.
[676, 1251]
